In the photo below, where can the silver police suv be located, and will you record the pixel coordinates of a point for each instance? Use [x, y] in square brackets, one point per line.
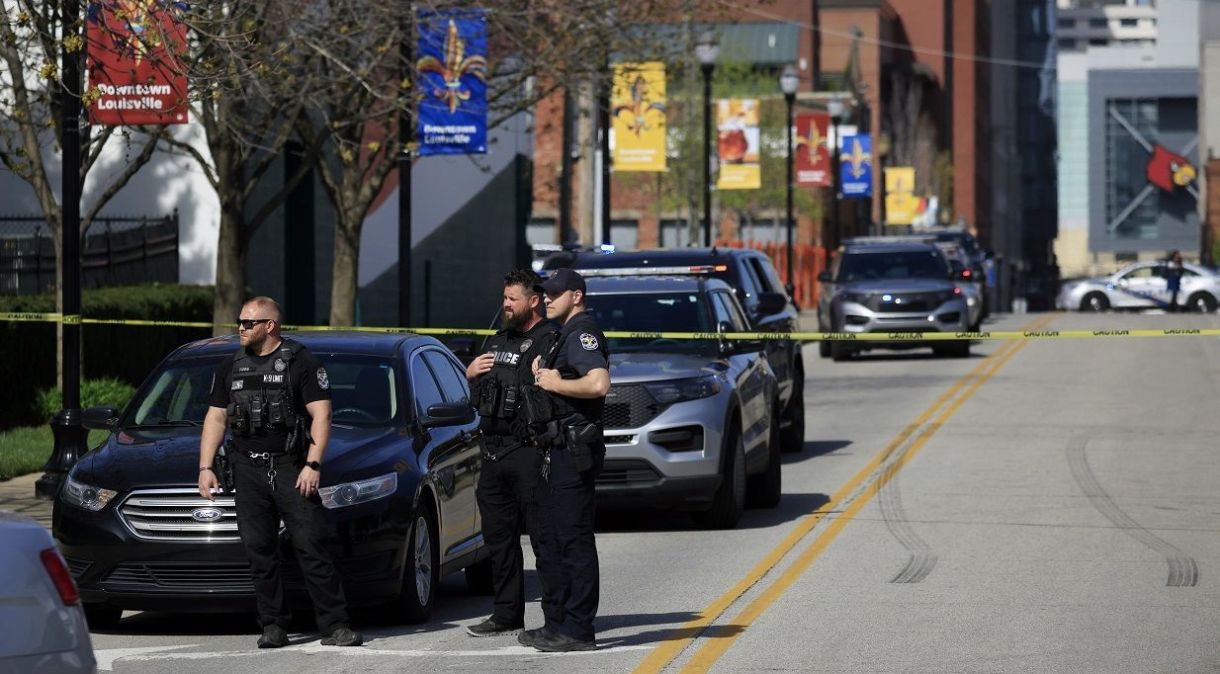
[689, 424]
[895, 288]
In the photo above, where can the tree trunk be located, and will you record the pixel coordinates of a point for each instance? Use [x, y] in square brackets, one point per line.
[230, 271]
[344, 272]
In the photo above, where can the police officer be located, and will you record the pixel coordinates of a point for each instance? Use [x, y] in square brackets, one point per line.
[510, 469]
[574, 377]
[274, 397]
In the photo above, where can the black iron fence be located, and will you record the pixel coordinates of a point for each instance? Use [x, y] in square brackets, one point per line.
[116, 251]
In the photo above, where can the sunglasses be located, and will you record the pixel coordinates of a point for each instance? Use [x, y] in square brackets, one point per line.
[249, 323]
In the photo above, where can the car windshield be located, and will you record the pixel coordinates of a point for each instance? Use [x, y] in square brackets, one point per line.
[363, 391]
[653, 312]
[866, 266]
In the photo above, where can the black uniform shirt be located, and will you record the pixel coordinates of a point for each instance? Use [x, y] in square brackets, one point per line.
[582, 350]
[309, 382]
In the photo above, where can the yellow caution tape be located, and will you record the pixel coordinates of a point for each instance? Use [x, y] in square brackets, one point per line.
[766, 336]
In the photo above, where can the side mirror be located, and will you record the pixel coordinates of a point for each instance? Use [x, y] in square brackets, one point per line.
[825, 277]
[731, 346]
[449, 414]
[100, 418]
[771, 303]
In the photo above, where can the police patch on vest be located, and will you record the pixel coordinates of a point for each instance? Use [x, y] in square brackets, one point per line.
[280, 365]
[273, 379]
[237, 384]
[323, 380]
[587, 341]
[525, 346]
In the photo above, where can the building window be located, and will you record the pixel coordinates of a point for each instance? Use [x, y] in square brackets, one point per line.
[1128, 23]
[624, 234]
[1067, 43]
[768, 230]
[541, 231]
[1098, 42]
[675, 233]
[1067, 23]
[1097, 23]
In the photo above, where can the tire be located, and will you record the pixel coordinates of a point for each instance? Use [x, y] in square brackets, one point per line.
[422, 572]
[764, 490]
[839, 352]
[730, 498]
[792, 438]
[824, 349]
[1095, 301]
[953, 350]
[1203, 303]
[102, 616]
[479, 579]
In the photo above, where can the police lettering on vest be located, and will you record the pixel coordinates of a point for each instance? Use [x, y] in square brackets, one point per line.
[498, 392]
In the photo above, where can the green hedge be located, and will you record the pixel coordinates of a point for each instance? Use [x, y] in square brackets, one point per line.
[122, 352]
[93, 393]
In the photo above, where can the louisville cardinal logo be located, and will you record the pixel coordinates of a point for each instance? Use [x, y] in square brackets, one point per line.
[1169, 171]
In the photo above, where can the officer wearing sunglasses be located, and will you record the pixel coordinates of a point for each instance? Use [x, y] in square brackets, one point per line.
[273, 397]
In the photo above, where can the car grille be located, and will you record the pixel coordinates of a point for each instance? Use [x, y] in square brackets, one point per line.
[167, 515]
[630, 406]
[77, 567]
[904, 303]
[232, 577]
[619, 473]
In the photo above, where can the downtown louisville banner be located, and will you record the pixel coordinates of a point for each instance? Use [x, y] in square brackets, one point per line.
[812, 153]
[135, 52]
[737, 142]
[637, 107]
[452, 67]
[856, 166]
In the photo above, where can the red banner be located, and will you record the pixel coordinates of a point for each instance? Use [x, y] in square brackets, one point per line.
[812, 150]
[135, 51]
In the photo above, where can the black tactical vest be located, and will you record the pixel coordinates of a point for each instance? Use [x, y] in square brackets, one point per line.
[498, 393]
[261, 395]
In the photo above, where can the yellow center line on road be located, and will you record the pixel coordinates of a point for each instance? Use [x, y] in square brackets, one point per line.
[683, 636]
[718, 644]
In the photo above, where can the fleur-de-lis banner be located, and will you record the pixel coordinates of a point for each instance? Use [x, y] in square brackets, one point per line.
[856, 166]
[135, 51]
[638, 109]
[812, 151]
[451, 69]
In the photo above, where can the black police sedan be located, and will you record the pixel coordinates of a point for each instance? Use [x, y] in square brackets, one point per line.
[398, 483]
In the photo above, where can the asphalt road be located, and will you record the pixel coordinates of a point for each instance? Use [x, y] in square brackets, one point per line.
[1043, 506]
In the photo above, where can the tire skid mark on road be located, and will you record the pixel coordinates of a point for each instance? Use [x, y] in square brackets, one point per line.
[922, 559]
[1183, 569]
[860, 488]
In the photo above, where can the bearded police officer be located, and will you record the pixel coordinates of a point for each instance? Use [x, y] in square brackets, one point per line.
[510, 468]
[564, 408]
[274, 397]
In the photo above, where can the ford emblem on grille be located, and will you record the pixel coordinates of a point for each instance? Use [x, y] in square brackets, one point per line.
[206, 514]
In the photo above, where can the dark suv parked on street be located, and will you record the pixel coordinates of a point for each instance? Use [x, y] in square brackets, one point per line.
[768, 307]
[398, 484]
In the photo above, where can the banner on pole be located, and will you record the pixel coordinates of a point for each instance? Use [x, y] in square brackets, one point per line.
[452, 77]
[737, 144]
[901, 204]
[638, 109]
[134, 61]
[812, 150]
[856, 166]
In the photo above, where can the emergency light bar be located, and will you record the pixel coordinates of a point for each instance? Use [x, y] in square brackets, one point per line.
[693, 270]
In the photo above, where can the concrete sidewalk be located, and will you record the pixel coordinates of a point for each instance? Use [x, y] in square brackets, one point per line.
[17, 495]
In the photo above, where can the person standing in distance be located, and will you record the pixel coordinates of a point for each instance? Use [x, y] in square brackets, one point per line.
[511, 466]
[575, 376]
[273, 396]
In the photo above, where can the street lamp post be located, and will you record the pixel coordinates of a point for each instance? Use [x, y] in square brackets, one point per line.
[835, 108]
[788, 82]
[705, 50]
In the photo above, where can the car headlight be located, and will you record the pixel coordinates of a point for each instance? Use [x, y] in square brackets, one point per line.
[85, 496]
[858, 298]
[362, 491]
[684, 389]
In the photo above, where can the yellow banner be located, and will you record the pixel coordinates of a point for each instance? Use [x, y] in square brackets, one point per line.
[638, 109]
[901, 204]
[737, 144]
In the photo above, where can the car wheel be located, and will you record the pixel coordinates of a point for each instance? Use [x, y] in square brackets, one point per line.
[730, 498]
[953, 350]
[764, 490]
[102, 616]
[792, 437]
[479, 579]
[824, 349]
[1095, 301]
[839, 351]
[1202, 302]
[422, 571]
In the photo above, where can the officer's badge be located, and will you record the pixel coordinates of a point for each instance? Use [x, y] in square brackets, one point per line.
[280, 365]
[525, 346]
[587, 341]
[323, 380]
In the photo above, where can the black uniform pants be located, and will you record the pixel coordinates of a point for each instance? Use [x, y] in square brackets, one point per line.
[506, 504]
[259, 511]
[565, 548]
